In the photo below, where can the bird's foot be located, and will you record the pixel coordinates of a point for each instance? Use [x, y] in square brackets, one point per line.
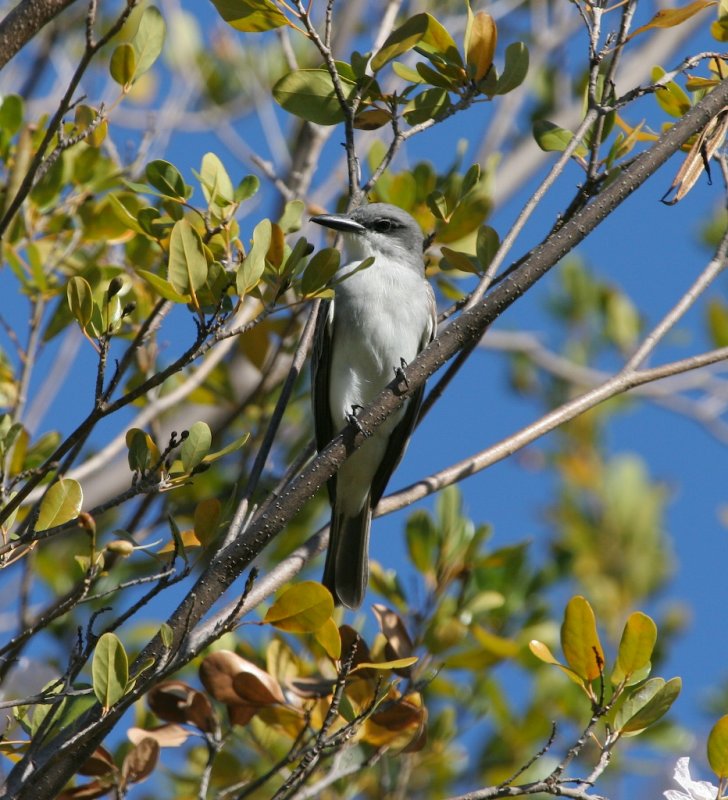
[399, 373]
[352, 419]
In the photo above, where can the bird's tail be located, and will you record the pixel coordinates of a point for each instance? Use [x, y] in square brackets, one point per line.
[346, 571]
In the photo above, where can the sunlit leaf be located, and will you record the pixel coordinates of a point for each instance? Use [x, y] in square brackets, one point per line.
[140, 761]
[123, 64]
[80, 300]
[329, 638]
[302, 608]
[110, 670]
[163, 287]
[310, 94]
[250, 16]
[148, 40]
[580, 641]
[401, 40]
[187, 267]
[62, 503]
[636, 646]
[215, 181]
[718, 748]
[669, 17]
[166, 179]
[195, 446]
[480, 43]
[550, 137]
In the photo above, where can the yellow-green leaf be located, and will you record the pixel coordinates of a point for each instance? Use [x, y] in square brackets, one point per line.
[62, 503]
[580, 641]
[110, 670]
[551, 137]
[670, 17]
[636, 646]
[215, 181]
[401, 40]
[250, 16]
[163, 287]
[395, 663]
[671, 98]
[80, 300]
[481, 39]
[123, 64]
[302, 608]
[319, 271]
[543, 653]
[515, 68]
[718, 748]
[206, 519]
[329, 638]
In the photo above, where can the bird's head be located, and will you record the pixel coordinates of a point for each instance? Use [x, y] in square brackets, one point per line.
[378, 229]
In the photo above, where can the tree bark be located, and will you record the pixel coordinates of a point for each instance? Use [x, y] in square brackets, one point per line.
[21, 24]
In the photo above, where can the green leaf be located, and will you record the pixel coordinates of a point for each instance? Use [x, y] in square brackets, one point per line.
[166, 178]
[231, 448]
[11, 114]
[195, 446]
[455, 259]
[163, 287]
[110, 670]
[290, 220]
[62, 503]
[437, 203]
[148, 40]
[649, 703]
[123, 64]
[320, 270]
[187, 269]
[636, 646]
[487, 245]
[247, 187]
[421, 541]
[580, 641]
[302, 608]
[80, 300]
[251, 270]
[216, 184]
[250, 16]
[310, 94]
[718, 748]
[426, 105]
[551, 137]
[515, 68]
[718, 322]
[671, 97]
[401, 40]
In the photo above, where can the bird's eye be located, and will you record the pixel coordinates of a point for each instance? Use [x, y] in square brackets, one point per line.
[383, 225]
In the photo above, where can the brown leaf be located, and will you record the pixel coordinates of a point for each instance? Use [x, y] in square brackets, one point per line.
[399, 645]
[399, 715]
[140, 761]
[170, 735]
[87, 791]
[241, 713]
[99, 763]
[232, 679]
[177, 701]
[257, 688]
[709, 140]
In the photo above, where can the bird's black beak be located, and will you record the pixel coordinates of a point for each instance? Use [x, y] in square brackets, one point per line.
[339, 222]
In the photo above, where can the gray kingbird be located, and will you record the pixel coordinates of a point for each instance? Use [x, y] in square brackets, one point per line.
[380, 318]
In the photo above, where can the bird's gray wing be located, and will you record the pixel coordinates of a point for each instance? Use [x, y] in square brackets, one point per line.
[320, 367]
[397, 443]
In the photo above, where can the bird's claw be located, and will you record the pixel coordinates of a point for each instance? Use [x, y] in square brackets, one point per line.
[352, 419]
[399, 373]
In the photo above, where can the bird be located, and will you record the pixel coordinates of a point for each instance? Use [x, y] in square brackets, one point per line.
[379, 319]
